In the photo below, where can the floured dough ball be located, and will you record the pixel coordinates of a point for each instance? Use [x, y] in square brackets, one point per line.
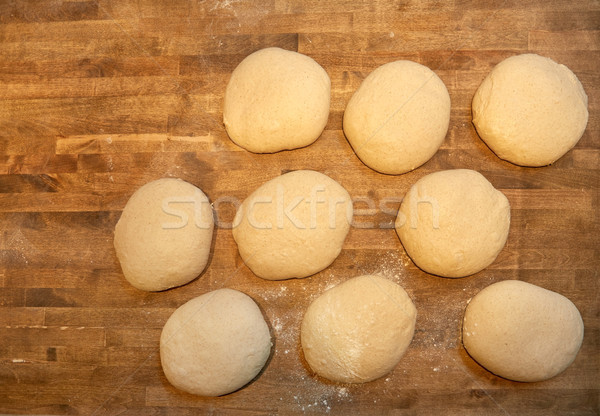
[276, 100]
[530, 110]
[453, 223]
[164, 235]
[293, 226]
[215, 344]
[521, 331]
[398, 117]
[358, 331]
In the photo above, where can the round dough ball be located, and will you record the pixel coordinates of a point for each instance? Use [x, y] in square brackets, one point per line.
[530, 110]
[215, 344]
[293, 226]
[453, 223]
[164, 235]
[276, 100]
[521, 331]
[398, 117]
[358, 331]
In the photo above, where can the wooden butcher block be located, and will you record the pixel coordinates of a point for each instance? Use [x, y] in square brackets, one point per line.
[100, 97]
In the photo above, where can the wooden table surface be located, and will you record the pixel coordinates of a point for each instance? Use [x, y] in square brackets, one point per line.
[99, 97]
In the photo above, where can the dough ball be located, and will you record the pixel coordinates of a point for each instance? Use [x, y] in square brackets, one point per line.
[215, 343]
[530, 110]
[164, 235]
[453, 223]
[522, 332]
[398, 117]
[358, 331]
[276, 100]
[293, 226]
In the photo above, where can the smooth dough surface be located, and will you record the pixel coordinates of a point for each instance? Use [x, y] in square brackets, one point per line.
[359, 330]
[293, 226]
[398, 117]
[453, 223]
[164, 235]
[215, 344]
[521, 331]
[530, 110]
[276, 100]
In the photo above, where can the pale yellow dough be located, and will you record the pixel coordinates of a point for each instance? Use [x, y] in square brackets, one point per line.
[398, 117]
[453, 223]
[215, 344]
[276, 100]
[521, 331]
[293, 226]
[359, 330]
[530, 110]
[164, 235]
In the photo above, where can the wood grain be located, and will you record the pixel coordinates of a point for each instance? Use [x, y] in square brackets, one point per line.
[99, 97]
